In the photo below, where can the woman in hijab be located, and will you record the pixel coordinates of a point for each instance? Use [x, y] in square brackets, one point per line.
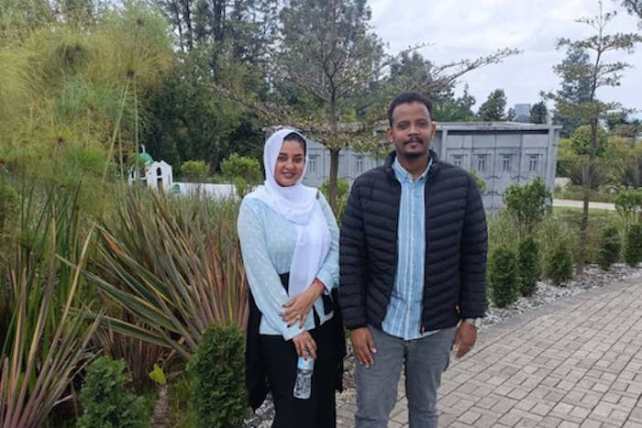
[289, 242]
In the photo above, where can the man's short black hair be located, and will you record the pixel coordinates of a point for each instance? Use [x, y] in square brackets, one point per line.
[407, 98]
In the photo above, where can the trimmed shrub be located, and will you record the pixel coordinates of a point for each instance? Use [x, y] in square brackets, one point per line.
[528, 266]
[610, 248]
[633, 248]
[559, 264]
[243, 171]
[105, 402]
[217, 372]
[194, 170]
[502, 277]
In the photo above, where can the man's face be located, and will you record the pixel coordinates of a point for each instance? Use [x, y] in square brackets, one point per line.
[412, 129]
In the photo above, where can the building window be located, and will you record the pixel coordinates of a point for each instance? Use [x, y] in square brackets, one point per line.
[358, 164]
[533, 163]
[312, 164]
[506, 163]
[481, 163]
[458, 160]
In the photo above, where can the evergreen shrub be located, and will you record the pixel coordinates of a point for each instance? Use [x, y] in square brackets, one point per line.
[610, 248]
[503, 277]
[217, 372]
[528, 266]
[559, 264]
[193, 170]
[105, 401]
[633, 248]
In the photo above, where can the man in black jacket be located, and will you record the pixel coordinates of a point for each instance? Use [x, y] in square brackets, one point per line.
[413, 264]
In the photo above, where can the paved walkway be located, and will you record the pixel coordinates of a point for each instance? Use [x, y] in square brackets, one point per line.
[579, 204]
[575, 363]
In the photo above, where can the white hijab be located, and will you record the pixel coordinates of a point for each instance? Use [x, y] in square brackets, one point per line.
[299, 205]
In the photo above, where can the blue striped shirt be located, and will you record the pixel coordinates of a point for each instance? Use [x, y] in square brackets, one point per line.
[403, 318]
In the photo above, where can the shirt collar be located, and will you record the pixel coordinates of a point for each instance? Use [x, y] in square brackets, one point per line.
[403, 175]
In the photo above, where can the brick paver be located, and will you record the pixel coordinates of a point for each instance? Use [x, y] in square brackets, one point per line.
[574, 363]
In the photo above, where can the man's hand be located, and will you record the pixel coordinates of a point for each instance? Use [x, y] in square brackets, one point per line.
[297, 308]
[363, 345]
[465, 338]
[305, 345]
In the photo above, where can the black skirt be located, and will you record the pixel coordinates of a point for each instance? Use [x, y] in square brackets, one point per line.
[271, 366]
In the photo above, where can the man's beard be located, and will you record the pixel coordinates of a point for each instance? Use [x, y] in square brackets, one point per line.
[413, 156]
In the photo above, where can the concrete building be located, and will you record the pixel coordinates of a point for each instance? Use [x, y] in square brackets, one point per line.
[502, 153]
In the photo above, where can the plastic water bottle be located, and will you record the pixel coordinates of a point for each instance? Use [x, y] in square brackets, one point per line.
[303, 383]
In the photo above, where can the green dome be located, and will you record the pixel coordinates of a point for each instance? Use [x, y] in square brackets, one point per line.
[145, 158]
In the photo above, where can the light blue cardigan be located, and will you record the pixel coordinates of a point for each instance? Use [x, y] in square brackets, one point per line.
[267, 244]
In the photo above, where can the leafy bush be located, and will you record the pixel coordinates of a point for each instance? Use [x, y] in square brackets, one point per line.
[610, 248]
[581, 141]
[559, 264]
[633, 248]
[244, 172]
[194, 170]
[528, 266]
[628, 204]
[503, 277]
[527, 204]
[217, 371]
[105, 401]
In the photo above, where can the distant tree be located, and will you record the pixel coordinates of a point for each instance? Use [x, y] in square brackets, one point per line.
[511, 115]
[539, 113]
[494, 108]
[592, 110]
[332, 78]
[329, 52]
[634, 7]
[575, 75]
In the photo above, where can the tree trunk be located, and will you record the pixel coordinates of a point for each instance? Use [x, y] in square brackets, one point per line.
[160, 416]
[584, 221]
[332, 180]
[334, 155]
[187, 14]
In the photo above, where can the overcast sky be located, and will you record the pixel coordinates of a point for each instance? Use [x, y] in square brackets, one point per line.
[457, 29]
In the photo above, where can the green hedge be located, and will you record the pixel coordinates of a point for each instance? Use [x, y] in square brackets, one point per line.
[559, 264]
[528, 266]
[633, 248]
[609, 251]
[105, 401]
[503, 277]
[217, 372]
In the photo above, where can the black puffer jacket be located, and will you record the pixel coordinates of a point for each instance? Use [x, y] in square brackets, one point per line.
[456, 247]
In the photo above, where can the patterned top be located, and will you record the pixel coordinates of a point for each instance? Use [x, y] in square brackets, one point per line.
[267, 244]
[403, 318]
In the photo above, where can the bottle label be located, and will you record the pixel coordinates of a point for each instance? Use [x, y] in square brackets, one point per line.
[305, 363]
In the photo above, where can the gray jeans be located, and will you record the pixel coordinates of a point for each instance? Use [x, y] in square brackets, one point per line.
[424, 361]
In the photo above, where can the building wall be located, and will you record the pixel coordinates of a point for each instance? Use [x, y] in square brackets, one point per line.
[500, 153]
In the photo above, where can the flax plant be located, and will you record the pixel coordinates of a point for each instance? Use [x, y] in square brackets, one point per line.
[46, 342]
[174, 265]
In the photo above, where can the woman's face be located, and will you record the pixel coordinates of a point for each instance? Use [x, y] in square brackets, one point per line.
[289, 163]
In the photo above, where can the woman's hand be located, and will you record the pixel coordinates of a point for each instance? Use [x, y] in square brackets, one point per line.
[305, 345]
[296, 310]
